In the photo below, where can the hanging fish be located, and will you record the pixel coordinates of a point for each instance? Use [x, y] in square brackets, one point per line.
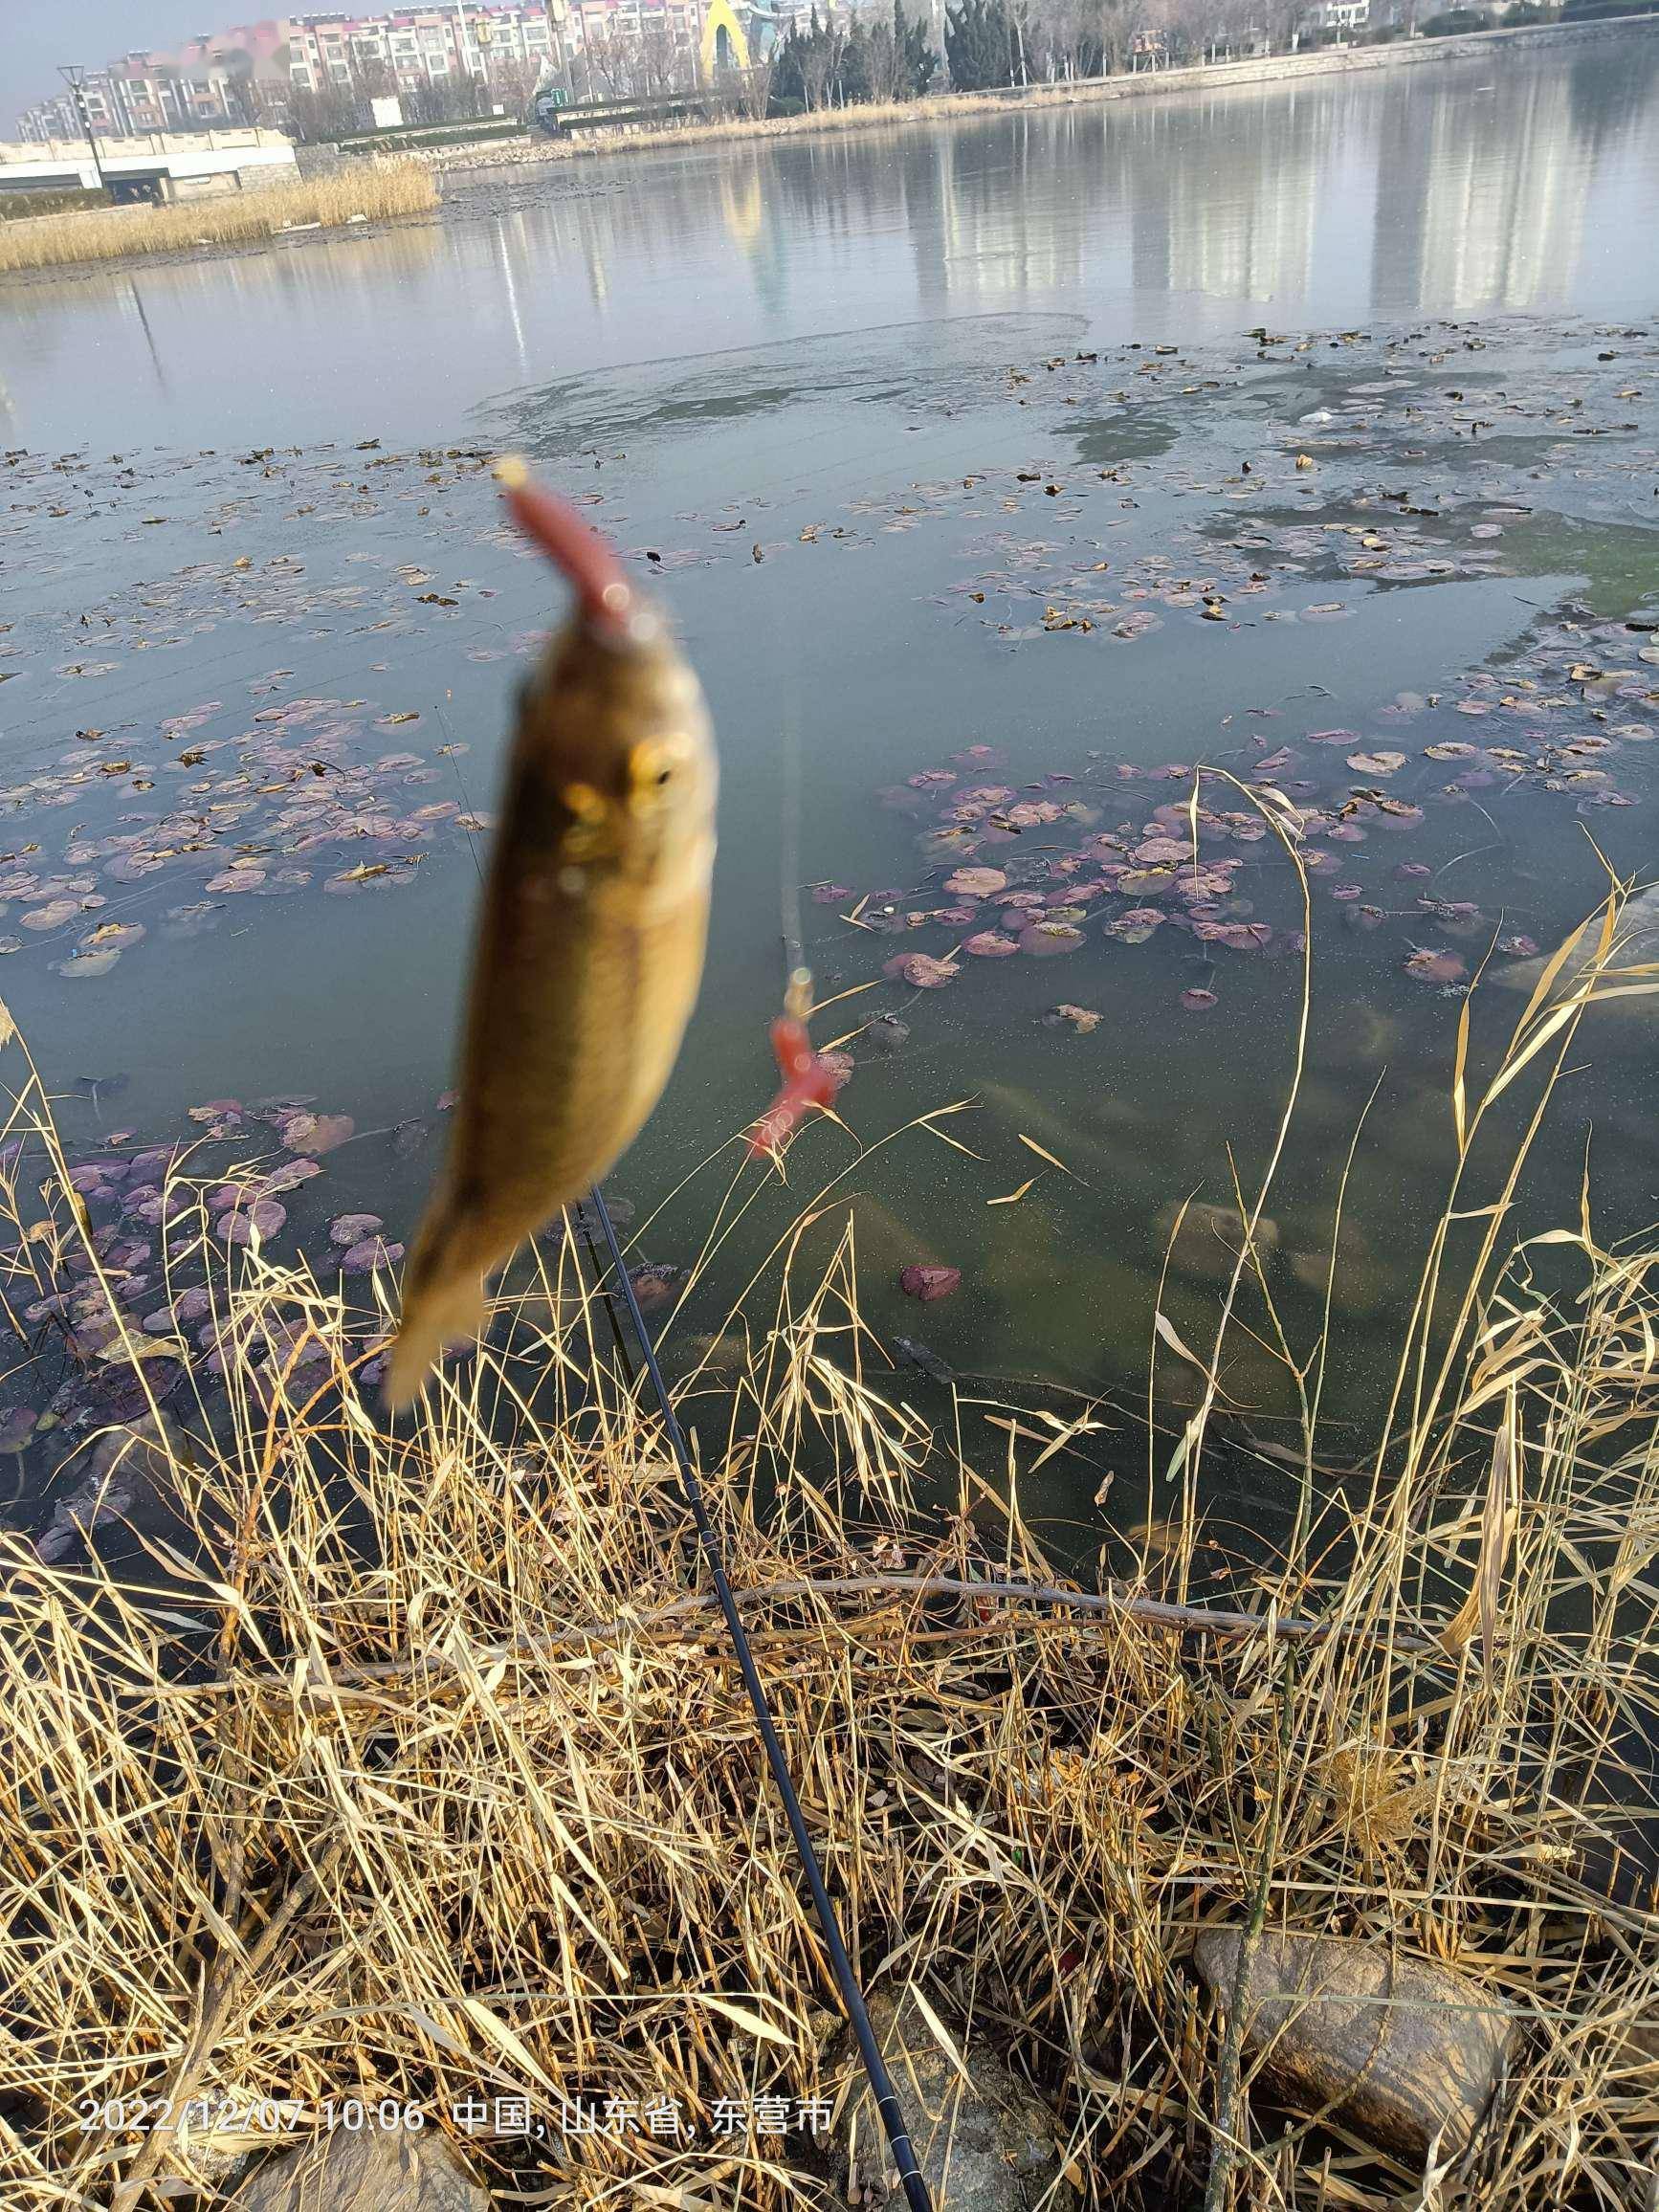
[590, 947]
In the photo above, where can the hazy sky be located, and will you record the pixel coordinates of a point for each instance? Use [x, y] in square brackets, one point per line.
[40, 33]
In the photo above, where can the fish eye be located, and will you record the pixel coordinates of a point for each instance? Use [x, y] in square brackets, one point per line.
[650, 766]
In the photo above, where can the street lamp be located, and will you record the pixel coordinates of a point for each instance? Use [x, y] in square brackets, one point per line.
[75, 77]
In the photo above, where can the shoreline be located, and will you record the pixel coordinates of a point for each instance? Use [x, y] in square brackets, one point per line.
[533, 151]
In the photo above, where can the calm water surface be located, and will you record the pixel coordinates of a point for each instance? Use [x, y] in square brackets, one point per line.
[834, 349]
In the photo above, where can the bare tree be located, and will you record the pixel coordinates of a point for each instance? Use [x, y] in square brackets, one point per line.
[820, 63]
[513, 82]
[883, 60]
[609, 65]
[755, 92]
[1281, 20]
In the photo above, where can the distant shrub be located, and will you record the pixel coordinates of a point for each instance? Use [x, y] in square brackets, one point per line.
[49, 200]
[787, 106]
[1528, 12]
[1384, 35]
[1455, 23]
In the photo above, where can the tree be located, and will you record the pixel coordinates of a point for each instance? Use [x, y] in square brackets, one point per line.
[754, 86]
[607, 66]
[916, 58]
[985, 44]
[871, 59]
[820, 53]
[854, 83]
[882, 60]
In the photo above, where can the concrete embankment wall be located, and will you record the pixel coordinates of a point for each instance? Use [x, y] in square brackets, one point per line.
[1490, 46]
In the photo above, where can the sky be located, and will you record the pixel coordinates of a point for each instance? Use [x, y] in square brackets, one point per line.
[40, 33]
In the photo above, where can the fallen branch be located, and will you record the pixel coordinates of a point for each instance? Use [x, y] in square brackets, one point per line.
[1151, 1612]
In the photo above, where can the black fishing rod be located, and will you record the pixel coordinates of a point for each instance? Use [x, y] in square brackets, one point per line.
[852, 2004]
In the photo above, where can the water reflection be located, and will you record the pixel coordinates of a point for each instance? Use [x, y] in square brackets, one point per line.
[1513, 182]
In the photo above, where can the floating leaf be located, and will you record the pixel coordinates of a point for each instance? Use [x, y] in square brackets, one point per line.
[17, 1427]
[1045, 940]
[975, 882]
[372, 1252]
[349, 1229]
[1376, 763]
[654, 1285]
[264, 1215]
[921, 971]
[322, 1133]
[1435, 967]
[928, 1283]
[990, 945]
[289, 1176]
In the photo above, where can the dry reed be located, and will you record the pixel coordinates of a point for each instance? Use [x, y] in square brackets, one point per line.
[398, 1764]
[375, 190]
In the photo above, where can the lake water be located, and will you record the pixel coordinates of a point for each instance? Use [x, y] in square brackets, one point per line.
[984, 396]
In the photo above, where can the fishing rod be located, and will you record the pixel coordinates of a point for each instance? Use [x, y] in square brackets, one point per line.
[852, 2004]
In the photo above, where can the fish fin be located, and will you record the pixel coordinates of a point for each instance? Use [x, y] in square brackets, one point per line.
[444, 1308]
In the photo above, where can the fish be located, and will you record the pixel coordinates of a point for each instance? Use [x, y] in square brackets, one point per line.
[918, 1354]
[588, 952]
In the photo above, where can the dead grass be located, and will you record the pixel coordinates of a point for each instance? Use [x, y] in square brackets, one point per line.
[408, 1764]
[379, 190]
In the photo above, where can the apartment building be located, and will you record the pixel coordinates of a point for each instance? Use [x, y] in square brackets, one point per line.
[420, 44]
[246, 73]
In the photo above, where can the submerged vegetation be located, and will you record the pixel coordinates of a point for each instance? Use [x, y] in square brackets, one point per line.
[411, 1764]
[372, 192]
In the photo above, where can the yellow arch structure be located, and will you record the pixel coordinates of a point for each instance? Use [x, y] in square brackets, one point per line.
[722, 17]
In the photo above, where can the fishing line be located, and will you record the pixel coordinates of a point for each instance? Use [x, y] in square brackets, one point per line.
[797, 975]
[887, 2103]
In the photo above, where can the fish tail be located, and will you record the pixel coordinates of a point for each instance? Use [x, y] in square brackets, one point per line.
[444, 1303]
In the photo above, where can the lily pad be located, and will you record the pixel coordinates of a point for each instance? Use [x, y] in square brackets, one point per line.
[350, 1229]
[372, 1252]
[1046, 940]
[1429, 966]
[976, 883]
[321, 1133]
[928, 1283]
[264, 1215]
[53, 916]
[921, 971]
